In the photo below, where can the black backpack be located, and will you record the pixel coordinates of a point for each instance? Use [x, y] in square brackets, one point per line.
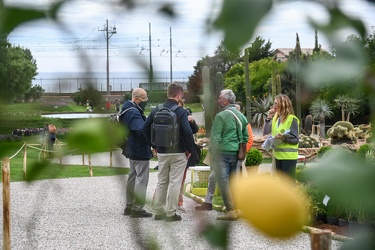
[118, 119]
[165, 131]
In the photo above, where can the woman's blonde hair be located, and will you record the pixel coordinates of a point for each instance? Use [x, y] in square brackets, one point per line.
[285, 106]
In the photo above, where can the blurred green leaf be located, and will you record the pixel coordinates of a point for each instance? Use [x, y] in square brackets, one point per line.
[363, 242]
[345, 176]
[36, 169]
[216, 235]
[11, 17]
[95, 135]
[239, 18]
[337, 22]
[7, 149]
[54, 9]
[351, 64]
[168, 10]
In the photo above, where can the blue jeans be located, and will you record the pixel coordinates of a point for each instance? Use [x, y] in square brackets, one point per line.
[224, 169]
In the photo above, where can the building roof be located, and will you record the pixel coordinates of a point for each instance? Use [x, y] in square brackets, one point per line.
[283, 53]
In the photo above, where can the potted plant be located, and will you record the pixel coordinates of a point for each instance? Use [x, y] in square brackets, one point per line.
[334, 211]
[253, 159]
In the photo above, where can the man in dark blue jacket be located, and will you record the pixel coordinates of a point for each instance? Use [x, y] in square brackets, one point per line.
[171, 160]
[139, 153]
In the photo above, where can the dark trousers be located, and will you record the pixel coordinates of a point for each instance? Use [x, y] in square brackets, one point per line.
[51, 142]
[287, 166]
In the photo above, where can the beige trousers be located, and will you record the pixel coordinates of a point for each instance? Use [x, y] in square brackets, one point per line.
[170, 174]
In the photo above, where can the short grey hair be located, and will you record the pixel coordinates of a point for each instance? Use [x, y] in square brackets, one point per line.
[228, 94]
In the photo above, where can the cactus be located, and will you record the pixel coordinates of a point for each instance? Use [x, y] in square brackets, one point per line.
[278, 85]
[208, 100]
[273, 88]
[308, 125]
[217, 88]
[342, 132]
[365, 127]
[308, 142]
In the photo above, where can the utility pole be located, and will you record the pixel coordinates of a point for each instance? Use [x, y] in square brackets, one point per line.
[151, 73]
[109, 31]
[170, 48]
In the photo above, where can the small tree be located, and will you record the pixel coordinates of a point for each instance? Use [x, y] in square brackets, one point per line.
[320, 109]
[347, 105]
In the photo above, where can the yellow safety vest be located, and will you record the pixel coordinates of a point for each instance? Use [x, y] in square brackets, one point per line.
[284, 151]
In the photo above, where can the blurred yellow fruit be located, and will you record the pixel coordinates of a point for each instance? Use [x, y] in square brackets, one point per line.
[272, 205]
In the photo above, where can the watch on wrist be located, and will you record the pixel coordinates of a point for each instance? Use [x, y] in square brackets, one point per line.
[267, 119]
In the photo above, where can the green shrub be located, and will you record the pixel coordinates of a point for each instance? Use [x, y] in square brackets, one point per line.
[254, 157]
[301, 175]
[363, 149]
[203, 156]
[323, 150]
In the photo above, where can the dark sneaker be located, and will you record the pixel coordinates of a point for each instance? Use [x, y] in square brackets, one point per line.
[204, 206]
[127, 211]
[140, 214]
[156, 168]
[159, 216]
[175, 217]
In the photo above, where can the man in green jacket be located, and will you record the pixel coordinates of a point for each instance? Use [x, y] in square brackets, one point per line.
[228, 131]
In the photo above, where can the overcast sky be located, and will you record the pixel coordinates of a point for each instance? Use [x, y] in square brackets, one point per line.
[57, 50]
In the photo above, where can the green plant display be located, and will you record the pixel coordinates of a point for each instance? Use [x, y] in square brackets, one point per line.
[308, 142]
[254, 157]
[323, 150]
[363, 149]
[203, 156]
[342, 132]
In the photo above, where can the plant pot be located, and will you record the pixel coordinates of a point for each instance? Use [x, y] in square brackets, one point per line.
[332, 221]
[252, 170]
[320, 218]
[343, 223]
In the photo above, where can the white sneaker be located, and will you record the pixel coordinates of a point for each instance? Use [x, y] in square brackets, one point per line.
[181, 209]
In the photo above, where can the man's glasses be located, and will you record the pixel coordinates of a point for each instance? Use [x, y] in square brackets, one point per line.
[142, 98]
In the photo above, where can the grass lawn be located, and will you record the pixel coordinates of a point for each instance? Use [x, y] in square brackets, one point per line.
[35, 108]
[40, 170]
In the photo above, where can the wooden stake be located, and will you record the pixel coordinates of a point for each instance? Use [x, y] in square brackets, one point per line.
[24, 161]
[90, 167]
[110, 157]
[321, 240]
[5, 166]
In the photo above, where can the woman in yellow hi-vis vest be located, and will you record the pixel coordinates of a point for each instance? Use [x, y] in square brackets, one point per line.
[284, 125]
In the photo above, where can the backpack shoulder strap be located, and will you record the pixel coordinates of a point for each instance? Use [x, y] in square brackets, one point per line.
[123, 112]
[174, 108]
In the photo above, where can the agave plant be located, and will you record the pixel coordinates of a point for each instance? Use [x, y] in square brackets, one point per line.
[320, 109]
[259, 109]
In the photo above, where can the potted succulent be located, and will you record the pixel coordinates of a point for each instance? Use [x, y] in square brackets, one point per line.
[253, 159]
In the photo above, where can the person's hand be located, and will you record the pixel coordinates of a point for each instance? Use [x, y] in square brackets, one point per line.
[190, 118]
[279, 136]
[271, 112]
[187, 154]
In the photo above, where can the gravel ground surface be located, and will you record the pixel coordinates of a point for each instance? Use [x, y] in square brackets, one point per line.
[87, 213]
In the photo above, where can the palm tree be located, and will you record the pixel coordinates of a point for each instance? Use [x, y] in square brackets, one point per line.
[347, 105]
[320, 109]
[259, 109]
